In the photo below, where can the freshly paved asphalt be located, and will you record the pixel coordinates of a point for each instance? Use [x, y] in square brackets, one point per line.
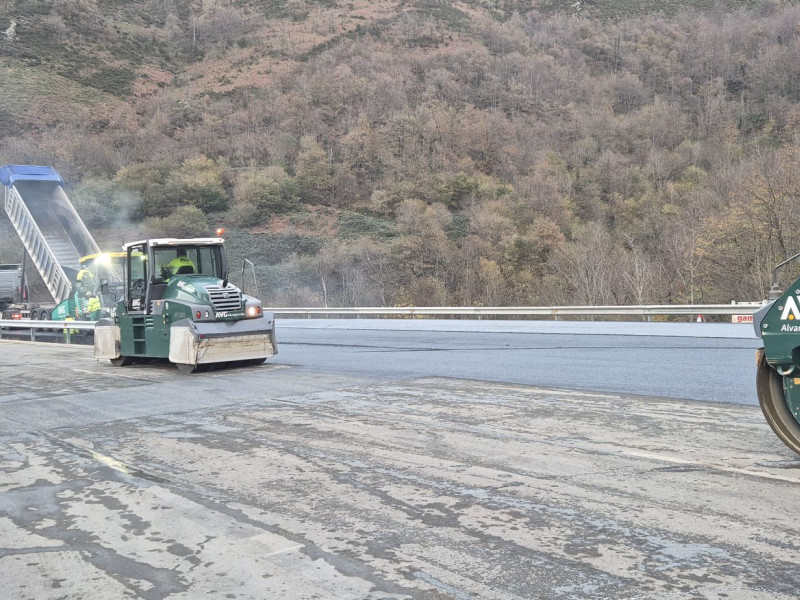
[695, 361]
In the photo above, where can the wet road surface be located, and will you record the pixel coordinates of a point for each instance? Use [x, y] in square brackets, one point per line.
[297, 481]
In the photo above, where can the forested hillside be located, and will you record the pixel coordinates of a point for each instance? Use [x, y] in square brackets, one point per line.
[425, 152]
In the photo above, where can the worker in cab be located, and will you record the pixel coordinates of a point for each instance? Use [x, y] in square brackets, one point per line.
[180, 265]
[85, 279]
[93, 307]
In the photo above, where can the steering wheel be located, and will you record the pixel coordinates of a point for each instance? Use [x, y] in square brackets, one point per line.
[137, 288]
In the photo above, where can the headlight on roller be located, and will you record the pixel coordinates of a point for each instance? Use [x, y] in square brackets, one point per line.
[253, 310]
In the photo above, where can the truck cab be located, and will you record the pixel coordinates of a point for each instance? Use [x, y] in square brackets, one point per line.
[11, 288]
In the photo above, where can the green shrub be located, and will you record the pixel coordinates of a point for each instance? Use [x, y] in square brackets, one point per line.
[270, 248]
[207, 197]
[184, 222]
[267, 195]
[102, 202]
[160, 200]
[354, 225]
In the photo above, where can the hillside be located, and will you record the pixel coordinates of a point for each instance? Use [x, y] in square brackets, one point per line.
[425, 152]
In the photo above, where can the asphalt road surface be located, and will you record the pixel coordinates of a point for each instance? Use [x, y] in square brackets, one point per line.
[323, 474]
[696, 361]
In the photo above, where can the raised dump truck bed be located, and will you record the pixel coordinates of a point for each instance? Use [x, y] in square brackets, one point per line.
[53, 234]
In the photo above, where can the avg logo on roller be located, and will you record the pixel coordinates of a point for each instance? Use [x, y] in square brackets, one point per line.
[791, 312]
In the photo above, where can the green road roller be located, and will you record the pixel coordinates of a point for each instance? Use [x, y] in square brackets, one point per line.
[178, 305]
[777, 323]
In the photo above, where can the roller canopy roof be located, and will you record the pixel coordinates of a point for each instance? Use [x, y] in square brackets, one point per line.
[178, 242]
[10, 174]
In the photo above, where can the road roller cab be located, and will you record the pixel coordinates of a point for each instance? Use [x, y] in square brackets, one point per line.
[178, 304]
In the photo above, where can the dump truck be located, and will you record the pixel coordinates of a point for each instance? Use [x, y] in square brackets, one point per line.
[191, 315]
[49, 227]
[53, 235]
[777, 323]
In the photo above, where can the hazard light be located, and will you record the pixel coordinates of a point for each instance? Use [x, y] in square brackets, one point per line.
[16, 316]
[220, 232]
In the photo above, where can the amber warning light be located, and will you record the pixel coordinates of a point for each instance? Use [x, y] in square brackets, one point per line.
[220, 232]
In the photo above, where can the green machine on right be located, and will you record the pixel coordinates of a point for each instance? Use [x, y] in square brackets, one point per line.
[777, 323]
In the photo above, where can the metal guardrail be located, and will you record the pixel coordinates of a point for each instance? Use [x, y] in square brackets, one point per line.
[746, 308]
[67, 328]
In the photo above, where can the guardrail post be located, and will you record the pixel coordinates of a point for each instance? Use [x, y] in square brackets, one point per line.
[33, 334]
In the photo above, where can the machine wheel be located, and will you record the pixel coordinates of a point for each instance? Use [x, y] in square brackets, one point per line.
[773, 404]
[122, 361]
[184, 368]
[34, 316]
[44, 315]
